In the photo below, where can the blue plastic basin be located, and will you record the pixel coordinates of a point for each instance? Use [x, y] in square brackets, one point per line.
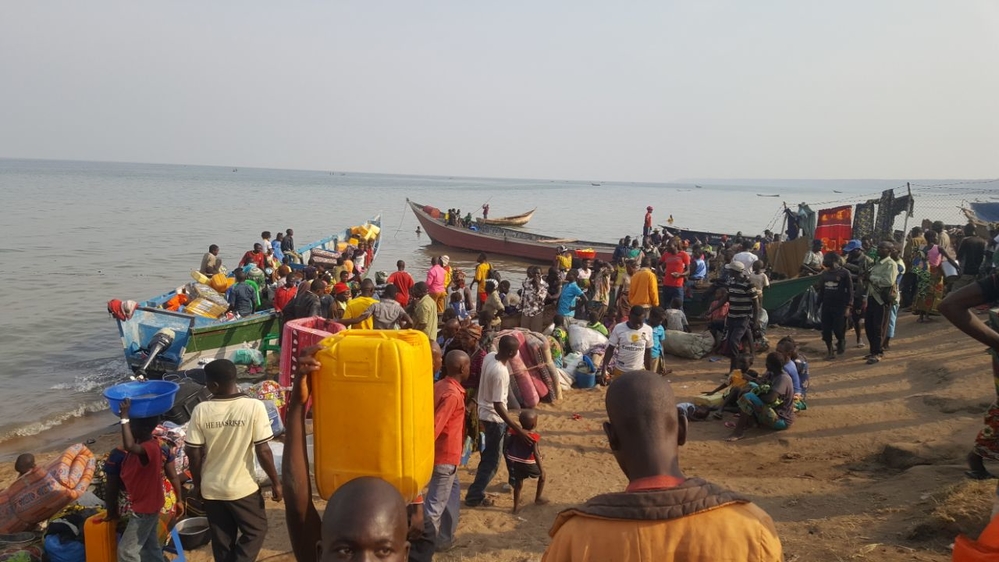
[149, 398]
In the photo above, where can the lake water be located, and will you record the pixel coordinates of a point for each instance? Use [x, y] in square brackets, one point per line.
[80, 233]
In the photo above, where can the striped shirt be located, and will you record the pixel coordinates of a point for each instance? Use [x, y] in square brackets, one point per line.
[741, 294]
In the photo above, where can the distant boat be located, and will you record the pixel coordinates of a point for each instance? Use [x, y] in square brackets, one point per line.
[683, 189]
[765, 195]
[595, 183]
[234, 169]
[698, 187]
[834, 191]
[516, 220]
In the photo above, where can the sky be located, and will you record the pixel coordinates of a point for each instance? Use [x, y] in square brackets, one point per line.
[636, 91]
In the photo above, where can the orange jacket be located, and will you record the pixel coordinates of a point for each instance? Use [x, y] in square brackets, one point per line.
[694, 522]
[644, 288]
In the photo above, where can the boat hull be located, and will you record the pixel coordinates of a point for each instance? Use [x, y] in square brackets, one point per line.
[497, 240]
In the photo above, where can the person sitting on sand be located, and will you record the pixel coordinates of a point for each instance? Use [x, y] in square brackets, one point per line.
[654, 520]
[675, 319]
[769, 403]
[957, 308]
[523, 459]
[24, 463]
[596, 325]
[735, 384]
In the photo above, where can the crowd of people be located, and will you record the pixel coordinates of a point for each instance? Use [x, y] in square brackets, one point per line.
[634, 300]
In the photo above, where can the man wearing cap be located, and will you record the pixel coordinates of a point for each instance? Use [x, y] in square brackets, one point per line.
[647, 229]
[341, 295]
[858, 264]
[743, 311]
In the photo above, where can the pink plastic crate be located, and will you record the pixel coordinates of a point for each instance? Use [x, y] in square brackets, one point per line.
[298, 335]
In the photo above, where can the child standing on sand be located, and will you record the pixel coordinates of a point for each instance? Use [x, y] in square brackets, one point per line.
[142, 473]
[523, 460]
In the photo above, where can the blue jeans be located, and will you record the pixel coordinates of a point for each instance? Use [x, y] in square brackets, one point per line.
[442, 502]
[892, 318]
[140, 542]
[668, 294]
[488, 462]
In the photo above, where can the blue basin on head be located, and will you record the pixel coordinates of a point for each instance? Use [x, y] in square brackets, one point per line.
[149, 398]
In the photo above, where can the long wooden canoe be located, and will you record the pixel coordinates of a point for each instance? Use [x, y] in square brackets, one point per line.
[515, 220]
[491, 239]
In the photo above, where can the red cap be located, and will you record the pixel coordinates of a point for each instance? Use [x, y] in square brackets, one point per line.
[340, 288]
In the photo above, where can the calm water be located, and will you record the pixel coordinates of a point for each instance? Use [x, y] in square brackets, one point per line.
[80, 233]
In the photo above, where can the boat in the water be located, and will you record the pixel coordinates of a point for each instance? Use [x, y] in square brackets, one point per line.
[595, 183]
[515, 220]
[157, 340]
[492, 239]
[768, 194]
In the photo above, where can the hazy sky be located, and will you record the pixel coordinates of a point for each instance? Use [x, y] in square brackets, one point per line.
[590, 90]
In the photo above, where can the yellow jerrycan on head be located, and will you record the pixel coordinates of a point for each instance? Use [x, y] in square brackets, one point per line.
[373, 410]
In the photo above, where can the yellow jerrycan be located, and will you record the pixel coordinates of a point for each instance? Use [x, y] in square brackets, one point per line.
[373, 410]
[100, 538]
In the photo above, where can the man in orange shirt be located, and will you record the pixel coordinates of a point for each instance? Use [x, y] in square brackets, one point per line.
[644, 291]
[655, 519]
[443, 499]
[675, 265]
[402, 281]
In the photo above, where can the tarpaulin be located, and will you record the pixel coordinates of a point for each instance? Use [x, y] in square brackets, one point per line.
[788, 256]
[834, 228]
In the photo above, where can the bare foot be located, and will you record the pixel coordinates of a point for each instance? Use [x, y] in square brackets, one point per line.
[541, 501]
[735, 438]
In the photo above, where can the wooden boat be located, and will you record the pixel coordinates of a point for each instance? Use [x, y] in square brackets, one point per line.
[766, 195]
[515, 220]
[499, 240]
[199, 339]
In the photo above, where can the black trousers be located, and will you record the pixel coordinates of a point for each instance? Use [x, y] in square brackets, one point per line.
[907, 289]
[874, 325]
[833, 323]
[238, 527]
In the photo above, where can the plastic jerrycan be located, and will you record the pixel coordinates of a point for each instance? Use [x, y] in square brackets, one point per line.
[101, 539]
[373, 410]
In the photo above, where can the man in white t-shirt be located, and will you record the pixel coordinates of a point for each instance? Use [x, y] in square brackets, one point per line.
[494, 389]
[745, 257]
[633, 342]
[222, 437]
[812, 263]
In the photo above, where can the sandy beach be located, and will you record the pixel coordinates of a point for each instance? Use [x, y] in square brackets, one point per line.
[873, 470]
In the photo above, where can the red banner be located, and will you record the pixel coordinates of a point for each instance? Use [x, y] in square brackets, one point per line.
[834, 227]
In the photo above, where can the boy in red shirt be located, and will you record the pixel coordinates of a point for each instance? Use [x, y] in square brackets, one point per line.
[523, 460]
[142, 473]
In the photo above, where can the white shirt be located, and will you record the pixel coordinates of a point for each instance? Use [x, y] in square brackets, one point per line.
[494, 386]
[813, 260]
[747, 259]
[227, 429]
[630, 345]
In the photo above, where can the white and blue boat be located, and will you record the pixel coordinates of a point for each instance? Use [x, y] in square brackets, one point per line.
[157, 340]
